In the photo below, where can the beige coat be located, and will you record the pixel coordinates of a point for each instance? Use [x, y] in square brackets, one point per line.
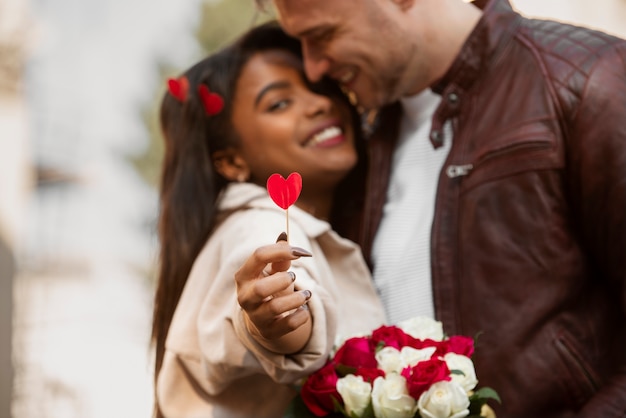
[212, 366]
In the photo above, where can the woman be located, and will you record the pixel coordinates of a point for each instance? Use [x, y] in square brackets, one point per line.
[233, 347]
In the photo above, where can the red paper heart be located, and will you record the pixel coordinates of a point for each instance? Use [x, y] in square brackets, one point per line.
[213, 102]
[178, 88]
[284, 192]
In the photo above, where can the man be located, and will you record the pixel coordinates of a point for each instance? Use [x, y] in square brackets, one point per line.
[526, 239]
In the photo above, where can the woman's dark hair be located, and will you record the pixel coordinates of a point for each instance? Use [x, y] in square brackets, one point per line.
[190, 185]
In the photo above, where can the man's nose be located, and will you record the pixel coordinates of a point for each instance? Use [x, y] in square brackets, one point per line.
[315, 64]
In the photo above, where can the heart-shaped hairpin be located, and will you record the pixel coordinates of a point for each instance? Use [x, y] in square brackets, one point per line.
[285, 192]
[212, 102]
[178, 87]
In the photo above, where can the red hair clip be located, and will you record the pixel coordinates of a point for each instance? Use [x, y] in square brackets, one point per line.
[178, 87]
[212, 102]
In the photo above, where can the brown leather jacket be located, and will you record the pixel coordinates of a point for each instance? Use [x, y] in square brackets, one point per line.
[529, 235]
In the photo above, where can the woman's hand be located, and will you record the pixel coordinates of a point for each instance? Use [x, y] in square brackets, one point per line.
[276, 314]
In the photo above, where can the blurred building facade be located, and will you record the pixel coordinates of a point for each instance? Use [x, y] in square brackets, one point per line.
[15, 178]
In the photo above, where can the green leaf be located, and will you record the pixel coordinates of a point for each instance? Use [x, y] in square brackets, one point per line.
[488, 393]
[297, 409]
[457, 371]
[369, 411]
[339, 407]
[343, 370]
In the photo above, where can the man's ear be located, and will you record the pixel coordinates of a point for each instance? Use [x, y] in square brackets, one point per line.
[404, 4]
[231, 165]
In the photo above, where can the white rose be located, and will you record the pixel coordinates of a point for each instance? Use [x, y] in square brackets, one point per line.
[391, 399]
[445, 399]
[389, 360]
[422, 327]
[355, 392]
[467, 380]
[410, 356]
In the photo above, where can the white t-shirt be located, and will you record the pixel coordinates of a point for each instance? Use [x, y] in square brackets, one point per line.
[401, 248]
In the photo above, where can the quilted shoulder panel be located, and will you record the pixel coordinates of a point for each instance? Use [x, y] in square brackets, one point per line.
[568, 55]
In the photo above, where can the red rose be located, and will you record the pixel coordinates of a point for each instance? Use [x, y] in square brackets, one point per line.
[441, 347]
[369, 374]
[319, 390]
[357, 352]
[461, 344]
[421, 376]
[392, 336]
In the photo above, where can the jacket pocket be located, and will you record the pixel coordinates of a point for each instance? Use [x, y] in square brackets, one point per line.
[582, 384]
[511, 159]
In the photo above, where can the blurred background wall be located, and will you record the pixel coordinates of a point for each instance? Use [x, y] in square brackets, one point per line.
[80, 82]
[15, 181]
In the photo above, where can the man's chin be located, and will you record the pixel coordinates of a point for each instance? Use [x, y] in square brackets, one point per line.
[369, 103]
[365, 100]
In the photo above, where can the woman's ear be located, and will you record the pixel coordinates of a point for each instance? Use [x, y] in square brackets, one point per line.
[231, 165]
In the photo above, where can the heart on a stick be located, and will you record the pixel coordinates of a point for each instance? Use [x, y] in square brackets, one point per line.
[284, 192]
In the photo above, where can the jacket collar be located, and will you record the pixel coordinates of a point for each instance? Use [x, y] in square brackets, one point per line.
[496, 27]
[493, 31]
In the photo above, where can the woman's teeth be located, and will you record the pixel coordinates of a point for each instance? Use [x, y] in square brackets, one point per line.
[325, 135]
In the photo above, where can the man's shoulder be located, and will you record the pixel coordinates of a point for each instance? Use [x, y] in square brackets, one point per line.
[564, 46]
[569, 56]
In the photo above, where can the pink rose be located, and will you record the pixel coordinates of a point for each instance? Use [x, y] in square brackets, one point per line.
[319, 390]
[392, 336]
[421, 376]
[357, 352]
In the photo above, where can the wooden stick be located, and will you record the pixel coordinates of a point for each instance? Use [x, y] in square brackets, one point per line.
[287, 217]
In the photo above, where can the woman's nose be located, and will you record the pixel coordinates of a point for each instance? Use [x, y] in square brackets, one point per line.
[318, 104]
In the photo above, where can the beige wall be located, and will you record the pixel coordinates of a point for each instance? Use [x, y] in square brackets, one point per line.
[606, 15]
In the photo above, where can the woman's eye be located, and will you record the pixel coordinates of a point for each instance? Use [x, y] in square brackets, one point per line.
[278, 105]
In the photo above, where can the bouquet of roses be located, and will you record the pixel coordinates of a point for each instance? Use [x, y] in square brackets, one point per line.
[404, 371]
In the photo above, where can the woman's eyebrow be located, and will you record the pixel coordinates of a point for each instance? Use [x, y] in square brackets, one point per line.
[272, 86]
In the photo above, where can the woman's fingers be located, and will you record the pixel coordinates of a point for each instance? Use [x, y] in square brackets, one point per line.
[263, 256]
[281, 315]
[260, 258]
[289, 323]
[252, 293]
[283, 305]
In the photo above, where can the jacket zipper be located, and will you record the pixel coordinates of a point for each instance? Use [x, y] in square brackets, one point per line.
[453, 171]
[458, 170]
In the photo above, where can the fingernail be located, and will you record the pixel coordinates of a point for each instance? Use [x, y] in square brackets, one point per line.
[307, 294]
[282, 237]
[300, 252]
[293, 276]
